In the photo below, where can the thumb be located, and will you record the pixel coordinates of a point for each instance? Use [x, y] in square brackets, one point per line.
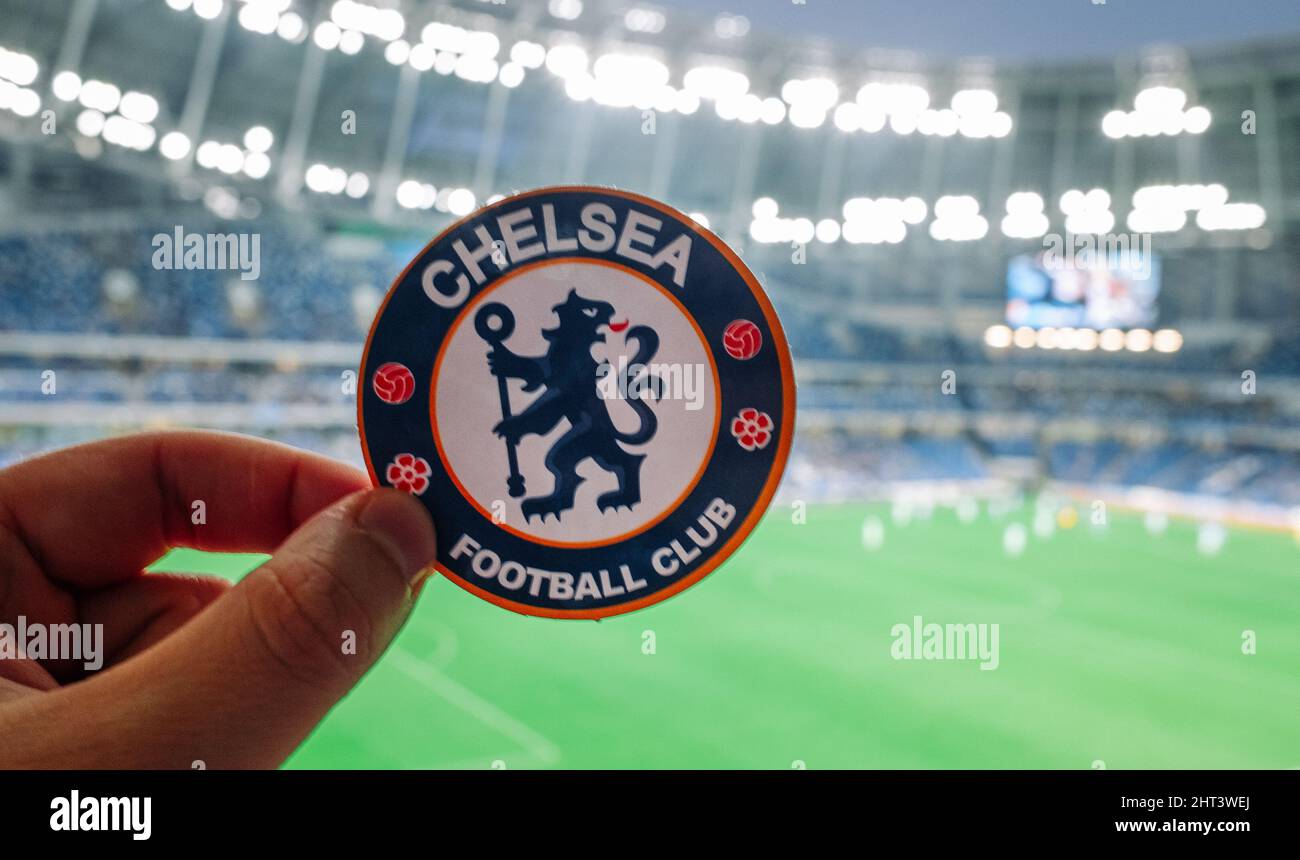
[249, 678]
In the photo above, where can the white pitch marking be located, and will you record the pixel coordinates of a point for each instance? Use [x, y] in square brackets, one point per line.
[477, 707]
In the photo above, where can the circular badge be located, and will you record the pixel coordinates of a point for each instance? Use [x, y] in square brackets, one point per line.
[589, 392]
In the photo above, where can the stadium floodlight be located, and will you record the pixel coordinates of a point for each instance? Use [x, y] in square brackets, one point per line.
[99, 96]
[423, 57]
[565, 10]
[179, 5]
[1160, 100]
[579, 87]
[772, 110]
[1196, 120]
[1115, 124]
[357, 186]
[1231, 216]
[259, 138]
[351, 42]
[327, 35]
[698, 217]
[828, 230]
[644, 20]
[1000, 124]
[1167, 340]
[291, 27]
[208, 9]
[476, 68]
[687, 103]
[715, 82]
[90, 122]
[730, 26]
[230, 159]
[566, 61]
[529, 55]
[1025, 337]
[1111, 340]
[208, 153]
[397, 51]
[410, 194]
[138, 107]
[460, 201]
[511, 75]
[256, 165]
[848, 116]
[66, 86]
[975, 102]
[259, 18]
[1085, 339]
[764, 208]
[174, 145]
[1137, 340]
[904, 123]
[806, 115]
[913, 210]
[997, 336]
[18, 67]
[444, 63]
[820, 93]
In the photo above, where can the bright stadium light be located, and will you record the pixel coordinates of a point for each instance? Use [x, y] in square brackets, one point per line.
[512, 74]
[327, 35]
[764, 207]
[698, 217]
[90, 123]
[529, 55]
[1025, 337]
[259, 138]
[644, 20]
[351, 42]
[565, 10]
[1196, 120]
[828, 230]
[66, 86]
[1167, 340]
[974, 102]
[179, 5]
[715, 82]
[256, 165]
[208, 153]
[997, 336]
[460, 201]
[139, 107]
[258, 18]
[291, 27]
[566, 61]
[397, 51]
[422, 57]
[848, 117]
[230, 159]
[208, 9]
[17, 67]
[357, 186]
[1231, 216]
[100, 96]
[174, 145]
[1137, 340]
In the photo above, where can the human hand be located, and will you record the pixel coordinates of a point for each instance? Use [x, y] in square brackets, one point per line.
[196, 670]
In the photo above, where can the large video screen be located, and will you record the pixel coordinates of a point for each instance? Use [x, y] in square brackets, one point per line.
[1108, 289]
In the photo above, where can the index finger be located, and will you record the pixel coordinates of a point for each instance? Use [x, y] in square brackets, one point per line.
[98, 513]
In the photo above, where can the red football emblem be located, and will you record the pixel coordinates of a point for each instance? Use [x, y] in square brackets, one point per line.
[742, 339]
[393, 383]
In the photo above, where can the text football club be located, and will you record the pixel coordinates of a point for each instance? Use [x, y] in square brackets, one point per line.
[589, 392]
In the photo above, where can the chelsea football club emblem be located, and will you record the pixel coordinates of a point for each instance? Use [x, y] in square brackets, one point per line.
[589, 392]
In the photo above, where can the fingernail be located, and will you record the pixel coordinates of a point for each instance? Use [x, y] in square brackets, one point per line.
[405, 527]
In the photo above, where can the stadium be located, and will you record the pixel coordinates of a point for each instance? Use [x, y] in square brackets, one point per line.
[1043, 314]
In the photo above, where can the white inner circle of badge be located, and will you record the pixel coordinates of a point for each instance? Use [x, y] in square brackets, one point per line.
[589, 392]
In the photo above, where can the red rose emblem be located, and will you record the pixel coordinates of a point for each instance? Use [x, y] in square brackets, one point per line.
[409, 473]
[752, 429]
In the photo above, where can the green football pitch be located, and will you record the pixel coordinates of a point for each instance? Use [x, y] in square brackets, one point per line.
[1118, 648]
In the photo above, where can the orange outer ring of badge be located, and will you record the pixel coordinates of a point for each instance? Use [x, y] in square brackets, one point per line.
[778, 463]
